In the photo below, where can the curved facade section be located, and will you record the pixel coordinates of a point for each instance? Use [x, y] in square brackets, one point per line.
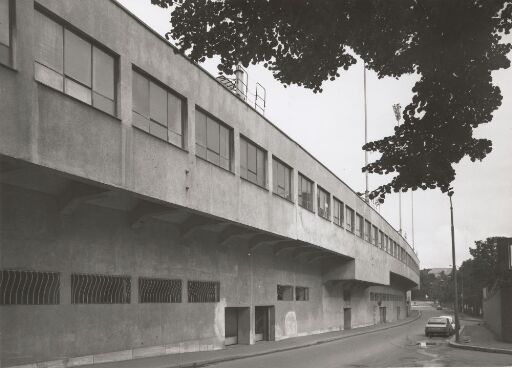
[165, 214]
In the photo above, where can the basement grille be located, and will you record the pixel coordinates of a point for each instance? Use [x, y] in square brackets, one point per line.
[203, 291]
[159, 290]
[100, 289]
[29, 287]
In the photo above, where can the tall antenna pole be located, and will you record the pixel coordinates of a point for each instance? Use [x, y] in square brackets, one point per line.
[412, 217]
[396, 110]
[366, 192]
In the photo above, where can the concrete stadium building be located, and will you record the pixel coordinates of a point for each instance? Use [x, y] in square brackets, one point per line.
[146, 209]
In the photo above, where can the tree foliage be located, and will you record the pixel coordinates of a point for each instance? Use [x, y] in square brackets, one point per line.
[453, 45]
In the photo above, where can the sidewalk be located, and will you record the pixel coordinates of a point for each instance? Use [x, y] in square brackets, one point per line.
[201, 358]
[476, 336]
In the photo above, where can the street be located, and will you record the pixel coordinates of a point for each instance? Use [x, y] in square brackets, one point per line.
[396, 347]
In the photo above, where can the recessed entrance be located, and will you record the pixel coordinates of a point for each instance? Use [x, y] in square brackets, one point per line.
[347, 318]
[264, 323]
[382, 312]
[237, 325]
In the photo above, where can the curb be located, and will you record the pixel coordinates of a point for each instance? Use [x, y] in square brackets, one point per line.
[457, 345]
[203, 363]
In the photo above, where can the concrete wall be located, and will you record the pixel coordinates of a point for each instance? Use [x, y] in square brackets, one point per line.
[48, 128]
[493, 313]
[99, 241]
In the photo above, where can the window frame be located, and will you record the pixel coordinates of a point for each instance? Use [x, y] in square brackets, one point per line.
[275, 184]
[220, 123]
[150, 120]
[374, 235]
[258, 148]
[301, 178]
[11, 19]
[286, 287]
[350, 214]
[323, 213]
[305, 289]
[367, 231]
[341, 212]
[94, 44]
[359, 227]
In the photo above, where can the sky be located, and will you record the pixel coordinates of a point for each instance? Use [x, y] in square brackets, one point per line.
[330, 125]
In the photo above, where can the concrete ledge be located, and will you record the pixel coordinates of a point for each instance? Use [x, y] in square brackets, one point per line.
[457, 345]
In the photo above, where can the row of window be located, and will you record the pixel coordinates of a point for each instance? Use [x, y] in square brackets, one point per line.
[43, 288]
[386, 297]
[285, 293]
[76, 66]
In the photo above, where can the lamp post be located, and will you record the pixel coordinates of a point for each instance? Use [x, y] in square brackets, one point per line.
[396, 110]
[454, 271]
[366, 191]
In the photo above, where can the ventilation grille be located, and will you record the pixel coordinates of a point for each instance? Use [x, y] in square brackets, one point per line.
[100, 289]
[203, 291]
[29, 287]
[159, 290]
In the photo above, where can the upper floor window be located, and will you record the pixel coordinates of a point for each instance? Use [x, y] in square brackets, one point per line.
[73, 65]
[5, 31]
[253, 162]
[359, 225]
[337, 212]
[386, 243]
[282, 179]
[374, 235]
[324, 204]
[349, 219]
[367, 230]
[305, 192]
[156, 110]
[213, 140]
[381, 239]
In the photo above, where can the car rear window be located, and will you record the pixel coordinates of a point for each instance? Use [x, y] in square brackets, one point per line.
[437, 321]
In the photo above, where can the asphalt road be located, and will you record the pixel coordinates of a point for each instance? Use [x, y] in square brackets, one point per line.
[395, 347]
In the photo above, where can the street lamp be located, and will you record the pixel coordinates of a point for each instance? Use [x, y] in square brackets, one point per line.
[396, 110]
[454, 270]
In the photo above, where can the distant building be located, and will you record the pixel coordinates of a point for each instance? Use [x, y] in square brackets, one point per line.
[437, 271]
[146, 209]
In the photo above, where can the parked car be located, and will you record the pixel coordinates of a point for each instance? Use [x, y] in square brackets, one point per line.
[452, 322]
[439, 307]
[438, 326]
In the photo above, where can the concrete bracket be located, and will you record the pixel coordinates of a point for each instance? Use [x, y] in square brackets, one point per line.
[77, 193]
[140, 213]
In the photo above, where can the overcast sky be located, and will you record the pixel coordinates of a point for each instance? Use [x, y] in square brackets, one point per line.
[330, 125]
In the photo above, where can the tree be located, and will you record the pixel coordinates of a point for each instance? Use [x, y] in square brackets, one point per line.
[453, 45]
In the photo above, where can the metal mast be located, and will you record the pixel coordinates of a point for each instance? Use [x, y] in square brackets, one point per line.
[396, 110]
[366, 192]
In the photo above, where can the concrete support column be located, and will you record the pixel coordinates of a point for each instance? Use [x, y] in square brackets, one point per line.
[124, 112]
[65, 288]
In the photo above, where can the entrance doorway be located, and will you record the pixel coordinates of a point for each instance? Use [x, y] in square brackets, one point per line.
[237, 322]
[382, 312]
[347, 318]
[264, 323]
[397, 313]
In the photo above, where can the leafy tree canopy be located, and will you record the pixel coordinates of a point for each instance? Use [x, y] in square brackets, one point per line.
[453, 45]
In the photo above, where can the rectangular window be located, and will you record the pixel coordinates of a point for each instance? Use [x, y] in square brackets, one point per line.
[100, 289]
[301, 293]
[5, 31]
[253, 162]
[386, 243]
[73, 65]
[157, 110]
[282, 179]
[213, 140]
[324, 203]
[284, 292]
[29, 287]
[359, 225]
[337, 212]
[367, 230]
[159, 290]
[375, 235]
[349, 218]
[305, 192]
[203, 291]
[381, 239]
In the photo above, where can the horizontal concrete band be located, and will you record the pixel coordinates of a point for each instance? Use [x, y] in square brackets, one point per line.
[187, 347]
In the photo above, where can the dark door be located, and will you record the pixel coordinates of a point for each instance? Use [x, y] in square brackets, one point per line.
[397, 313]
[347, 318]
[264, 323]
[382, 311]
[231, 326]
